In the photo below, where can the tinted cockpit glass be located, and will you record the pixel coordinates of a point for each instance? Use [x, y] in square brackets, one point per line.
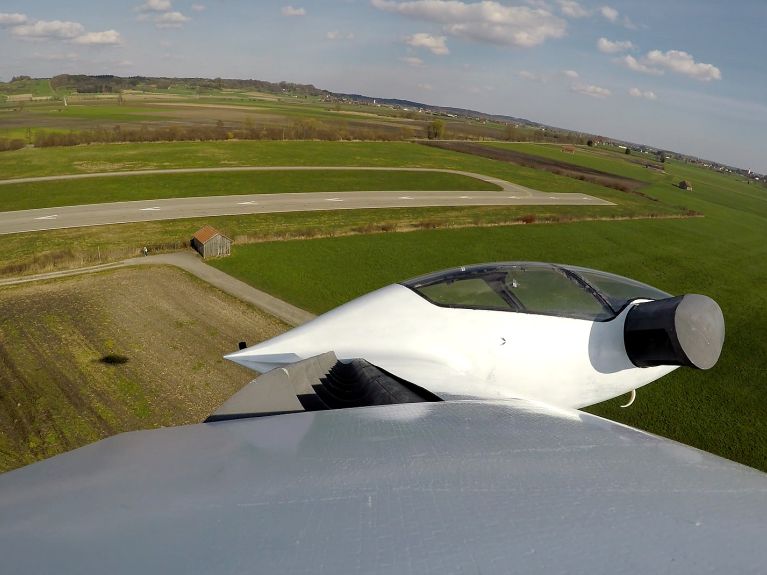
[549, 291]
[537, 288]
[618, 290]
[470, 292]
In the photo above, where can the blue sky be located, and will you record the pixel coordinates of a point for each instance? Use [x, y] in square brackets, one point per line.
[687, 75]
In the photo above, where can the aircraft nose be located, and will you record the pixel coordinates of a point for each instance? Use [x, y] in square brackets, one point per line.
[684, 330]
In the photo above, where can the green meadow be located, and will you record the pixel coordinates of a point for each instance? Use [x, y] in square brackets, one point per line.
[57, 249]
[97, 158]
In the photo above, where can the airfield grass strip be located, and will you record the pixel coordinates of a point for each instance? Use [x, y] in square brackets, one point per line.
[65, 249]
[96, 190]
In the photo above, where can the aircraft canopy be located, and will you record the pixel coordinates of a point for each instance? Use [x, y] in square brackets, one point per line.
[532, 287]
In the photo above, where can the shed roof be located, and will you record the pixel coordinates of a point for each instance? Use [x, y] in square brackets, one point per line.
[207, 233]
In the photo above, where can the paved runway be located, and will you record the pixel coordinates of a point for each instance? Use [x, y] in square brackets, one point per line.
[153, 210]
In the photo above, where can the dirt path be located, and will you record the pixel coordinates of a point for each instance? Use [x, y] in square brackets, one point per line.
[194, 265]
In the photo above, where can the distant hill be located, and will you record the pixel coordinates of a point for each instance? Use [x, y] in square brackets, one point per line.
[108, 84]
[445, 110]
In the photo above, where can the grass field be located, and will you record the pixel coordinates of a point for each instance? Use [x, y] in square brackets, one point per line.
[88, 357]
[30, 253]
[116, 157]
[721, 255]
[159, 186]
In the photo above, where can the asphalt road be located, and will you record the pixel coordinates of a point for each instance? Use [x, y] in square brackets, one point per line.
[176, 208]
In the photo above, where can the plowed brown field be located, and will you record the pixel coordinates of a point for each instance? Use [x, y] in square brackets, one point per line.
[87, 357]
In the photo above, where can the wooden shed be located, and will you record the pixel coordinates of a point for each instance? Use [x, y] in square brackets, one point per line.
[685, 185]
[211, 243]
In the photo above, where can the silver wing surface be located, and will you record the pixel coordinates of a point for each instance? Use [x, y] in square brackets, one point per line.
[428, 487]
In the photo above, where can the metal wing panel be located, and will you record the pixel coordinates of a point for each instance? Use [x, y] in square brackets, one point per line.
[451, 487]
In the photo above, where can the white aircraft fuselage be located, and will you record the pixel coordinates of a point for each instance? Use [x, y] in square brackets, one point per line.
[456, 351]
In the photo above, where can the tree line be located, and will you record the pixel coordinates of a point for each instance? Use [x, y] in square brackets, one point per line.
[108, 84]
[300, 130]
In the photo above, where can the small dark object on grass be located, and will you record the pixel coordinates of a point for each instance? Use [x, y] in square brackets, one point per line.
[114, 359]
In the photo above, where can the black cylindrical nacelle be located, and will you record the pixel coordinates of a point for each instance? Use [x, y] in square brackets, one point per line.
[684, 330]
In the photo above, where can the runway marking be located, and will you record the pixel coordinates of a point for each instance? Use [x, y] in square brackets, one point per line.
[333, 200]
[405, 198]
[154, 209]
[464, 197]
[247, 203]
[53, 217]
[513, 197]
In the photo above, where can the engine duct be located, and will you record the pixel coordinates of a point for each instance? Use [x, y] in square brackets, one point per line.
[683, 330]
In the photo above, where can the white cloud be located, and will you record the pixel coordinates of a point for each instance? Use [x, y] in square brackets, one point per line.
[162, 14]
[655, 62]
[52, 29]
[156, 6]
[572, 9]
[412, 61]
[609, 47]
[647, 95]
[171, 20]
[570, 73]
[291, 11]
[65, 31]
[105, 38]
[633, 64]
[610, 13]
[683, 63]
[12, 19]
[427, 87]
[436, 44]
[591, 90]
[486, 21]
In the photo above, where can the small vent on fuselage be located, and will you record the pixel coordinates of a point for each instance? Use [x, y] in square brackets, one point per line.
[359, 384]
[319, 383]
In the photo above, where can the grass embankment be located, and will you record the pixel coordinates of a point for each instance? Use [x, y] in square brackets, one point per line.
[88, 357]
[159, 186]
[723, 410]
[61, 249]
